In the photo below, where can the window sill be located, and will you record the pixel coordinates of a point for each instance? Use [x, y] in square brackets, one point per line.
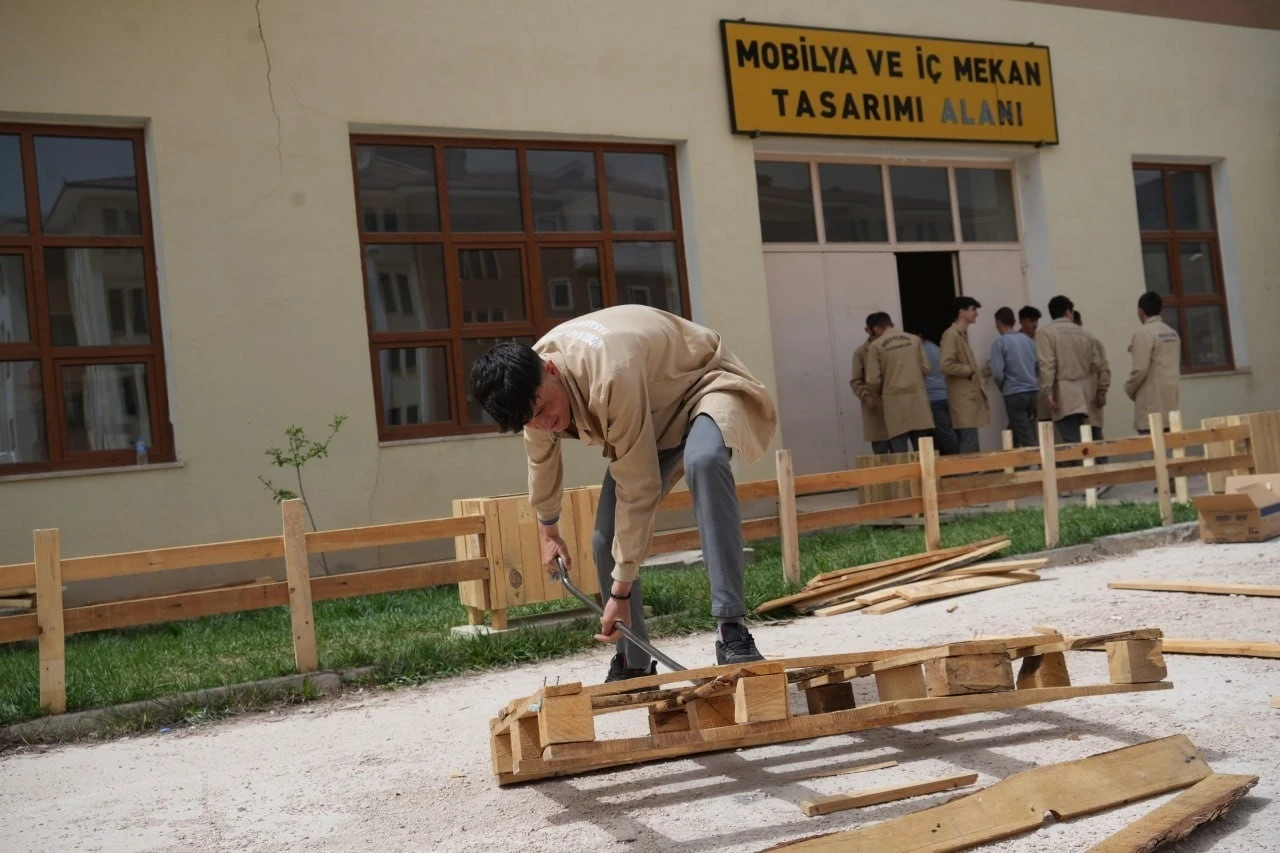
[91, 472]
[1218, 374]
[440, 439]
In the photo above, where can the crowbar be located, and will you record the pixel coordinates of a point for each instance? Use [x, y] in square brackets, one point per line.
[562, 574]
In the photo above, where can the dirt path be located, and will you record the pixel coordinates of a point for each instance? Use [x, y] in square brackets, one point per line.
[409, 770]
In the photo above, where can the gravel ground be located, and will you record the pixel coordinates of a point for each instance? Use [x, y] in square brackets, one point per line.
[409, 769]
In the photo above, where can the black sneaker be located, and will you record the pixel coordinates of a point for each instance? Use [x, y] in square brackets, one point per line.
[737, 645]
[618, 670]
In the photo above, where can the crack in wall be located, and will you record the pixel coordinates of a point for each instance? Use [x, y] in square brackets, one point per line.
[271, 97]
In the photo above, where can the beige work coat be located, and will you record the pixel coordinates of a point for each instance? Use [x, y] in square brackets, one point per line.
[636, 377]
[1100, 384]
[1068, 358]
[966, 398]
[873, 425]
[1157, 371]
[896, 368]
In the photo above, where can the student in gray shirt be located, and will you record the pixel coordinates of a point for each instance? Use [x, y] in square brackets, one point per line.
[1017, 375]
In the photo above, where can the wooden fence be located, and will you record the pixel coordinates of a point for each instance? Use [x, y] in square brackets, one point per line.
[488, 554]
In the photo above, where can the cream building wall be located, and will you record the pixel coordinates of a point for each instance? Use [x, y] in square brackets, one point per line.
[259, 264]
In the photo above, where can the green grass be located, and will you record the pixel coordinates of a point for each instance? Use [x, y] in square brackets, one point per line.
[406, 635]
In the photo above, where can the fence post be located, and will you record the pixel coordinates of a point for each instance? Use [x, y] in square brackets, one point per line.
[298, 574]
[1006, 443]
[1049, 477]
[1179, 483]
[1156, 421]
[787, 517]
[1090, 494]
[929, 492]
[52, 643]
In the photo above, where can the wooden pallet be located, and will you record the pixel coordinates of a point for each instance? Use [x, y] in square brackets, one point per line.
[553, 732]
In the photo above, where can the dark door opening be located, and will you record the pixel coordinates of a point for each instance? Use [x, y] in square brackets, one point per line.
[926, 289]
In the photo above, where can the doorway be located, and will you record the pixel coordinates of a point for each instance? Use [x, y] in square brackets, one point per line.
[926, 289]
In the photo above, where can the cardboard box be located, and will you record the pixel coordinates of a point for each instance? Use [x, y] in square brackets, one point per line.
[1249, 511]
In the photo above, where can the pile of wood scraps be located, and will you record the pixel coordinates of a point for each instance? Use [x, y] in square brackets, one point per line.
[891, 585]
[18, 599]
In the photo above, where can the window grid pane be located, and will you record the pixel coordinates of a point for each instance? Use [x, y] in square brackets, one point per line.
[985, 198]
[853, 208]
[786, 202]
[921, 204]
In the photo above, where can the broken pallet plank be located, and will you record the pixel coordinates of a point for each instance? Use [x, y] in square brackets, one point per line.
[921, 559]
[1205, 801]
[886, 794]
[1223, 648]
[1204, 588]
[963, 586]
[998, 567]
[1018, 804]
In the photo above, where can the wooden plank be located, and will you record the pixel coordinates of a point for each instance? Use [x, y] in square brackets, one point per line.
[1264, 442]
[843, 574]
[1161, 463]
[761, 698]
[1205, 801]
[566, 719]
[998, 567]
[166, 559]
[1091, 493]
[884, 607]
[976, 463]
[992, 494]
[960, 586]
[1019, 803]
[1049, 479]
[577, 758]
[1137, 445]
[21, 627]
[787, 517]
[298, 577]
[1208, 435]
[398, 578]
[963, 674]
[1135, 661]
[1179, 452]
[1071, 644]
[687, 538]
[842, 516]
[886, 794]
[49, 617]
[17, 603]
[1204, 588]
[170, 608]
[17, 576]
[856, 478]
[508, 557]
[929, 494]
[1226, 648]
[841, 771]
[474, 594]
[1043, 671]
[399, 533]
[1006, 442]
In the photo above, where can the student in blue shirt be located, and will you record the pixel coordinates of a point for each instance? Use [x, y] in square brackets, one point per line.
[935, 385]
[1017, 375]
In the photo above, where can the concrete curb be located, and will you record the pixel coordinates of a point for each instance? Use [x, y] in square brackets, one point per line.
[1119, 544]
[67, 726]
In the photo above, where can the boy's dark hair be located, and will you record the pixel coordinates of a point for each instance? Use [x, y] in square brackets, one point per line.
[505, 382]
[1077, 316]
[1151, 303]
[1005, 316]
[1059, 306]
[964, 303]
[1028, 312]
[879, 318]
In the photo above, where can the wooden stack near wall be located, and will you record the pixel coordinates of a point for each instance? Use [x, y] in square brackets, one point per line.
[887, 491]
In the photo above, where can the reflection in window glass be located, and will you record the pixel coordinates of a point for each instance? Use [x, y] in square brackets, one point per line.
[921, 204]
[415, 385]
[1170, 318]
[107, 406]
[1155, 268]
[14, 323]
[785, 196]
[79, 179]
[406, 287]
[1191, 201]
[472, 349]
[492, 285]
[647, 274]
[563, 186]
[13, 204]
[484, 189]
[852, 203]
[79, 283]
[1207, 336]
[22, 431]
[639, 191]
[1196, 264]
[397, 187]
[985, 199]
[569, 277]
[1149, 186]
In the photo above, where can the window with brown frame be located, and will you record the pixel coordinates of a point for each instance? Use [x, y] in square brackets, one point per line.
[1181, 259]
[81, 359]
[468, 242]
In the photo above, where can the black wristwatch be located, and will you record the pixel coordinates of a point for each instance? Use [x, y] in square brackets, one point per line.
[613, 594]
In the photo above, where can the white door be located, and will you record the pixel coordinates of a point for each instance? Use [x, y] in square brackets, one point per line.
[995, 279]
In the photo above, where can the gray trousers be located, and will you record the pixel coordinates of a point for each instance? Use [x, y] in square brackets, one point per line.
[1021, 409]
[943, 435]
[967, 440]
[715, 506]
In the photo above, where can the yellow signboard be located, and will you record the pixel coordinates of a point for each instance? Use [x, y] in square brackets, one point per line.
[816, 82]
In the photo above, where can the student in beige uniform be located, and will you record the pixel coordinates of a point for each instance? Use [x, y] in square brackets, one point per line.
[874, 431]
[1068, 359]
[1099, 386]
[965, 395]
[896, 368]
[655, 392]
[1157, 365]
